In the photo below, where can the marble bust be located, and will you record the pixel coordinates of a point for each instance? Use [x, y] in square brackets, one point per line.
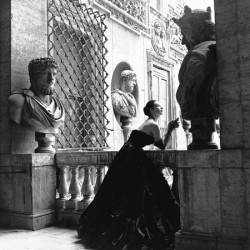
[36, 108]
[123, 101]
[197, 76]
[197, 92]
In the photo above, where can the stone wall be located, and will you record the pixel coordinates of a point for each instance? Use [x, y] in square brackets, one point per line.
[130, 44]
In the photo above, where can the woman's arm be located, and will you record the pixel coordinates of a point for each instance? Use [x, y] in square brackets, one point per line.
[162, 143]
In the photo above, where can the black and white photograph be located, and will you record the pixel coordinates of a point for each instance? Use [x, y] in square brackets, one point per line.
[125, 124]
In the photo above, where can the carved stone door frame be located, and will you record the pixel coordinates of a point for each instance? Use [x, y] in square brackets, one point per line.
[164, 70]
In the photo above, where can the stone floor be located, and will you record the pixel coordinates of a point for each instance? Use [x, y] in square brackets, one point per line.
[51, 238]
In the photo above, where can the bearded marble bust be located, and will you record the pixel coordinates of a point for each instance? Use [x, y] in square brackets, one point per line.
[36, 108]
[123, 101]
[197, 92]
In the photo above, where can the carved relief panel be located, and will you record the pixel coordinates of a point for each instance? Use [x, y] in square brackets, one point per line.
[132, 13]
[159, 37]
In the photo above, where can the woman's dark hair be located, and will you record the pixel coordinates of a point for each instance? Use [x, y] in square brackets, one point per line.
[149, 105]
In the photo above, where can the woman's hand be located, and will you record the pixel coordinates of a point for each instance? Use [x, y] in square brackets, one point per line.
[173, 124]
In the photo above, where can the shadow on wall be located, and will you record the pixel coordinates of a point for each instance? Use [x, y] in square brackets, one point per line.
[115, 83]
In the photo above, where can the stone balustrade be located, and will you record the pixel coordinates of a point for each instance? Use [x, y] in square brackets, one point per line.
[213, 187]
[80, 174]
[78, 185]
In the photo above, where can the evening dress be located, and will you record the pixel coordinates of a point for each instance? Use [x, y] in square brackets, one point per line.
[134, 208]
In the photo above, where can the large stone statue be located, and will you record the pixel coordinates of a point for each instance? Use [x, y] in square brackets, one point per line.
[36, 108]
[124, 103]
[197, 91]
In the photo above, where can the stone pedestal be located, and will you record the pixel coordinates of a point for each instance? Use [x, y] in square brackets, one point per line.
[202, 133]
[27, 191]
[46, 143]
[126, 126]
[215, 199]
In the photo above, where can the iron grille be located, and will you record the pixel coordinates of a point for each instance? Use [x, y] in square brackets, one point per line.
[76, 40]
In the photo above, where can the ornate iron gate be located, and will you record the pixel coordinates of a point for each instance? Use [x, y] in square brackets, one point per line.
[76, 40]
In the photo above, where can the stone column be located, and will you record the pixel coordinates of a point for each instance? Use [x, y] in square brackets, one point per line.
[233, 32]
[215, 184]
[23, 37]
[233, 36]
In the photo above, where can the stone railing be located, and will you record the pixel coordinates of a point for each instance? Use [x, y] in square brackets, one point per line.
[81, 173]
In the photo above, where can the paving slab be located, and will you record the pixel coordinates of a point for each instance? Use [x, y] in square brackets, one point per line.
[51, 238]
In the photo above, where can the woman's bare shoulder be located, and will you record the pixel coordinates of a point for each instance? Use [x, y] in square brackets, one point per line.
[152, 124]
[147, 124]
[151, 128]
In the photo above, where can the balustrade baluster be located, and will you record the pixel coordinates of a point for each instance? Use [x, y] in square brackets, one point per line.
[74, 188]
[87, 188]
[99, 177]
[62, 187]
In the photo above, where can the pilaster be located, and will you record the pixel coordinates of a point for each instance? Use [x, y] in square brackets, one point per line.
[22, 38]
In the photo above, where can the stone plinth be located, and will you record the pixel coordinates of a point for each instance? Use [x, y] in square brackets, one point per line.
[27, 190]
[215, 199]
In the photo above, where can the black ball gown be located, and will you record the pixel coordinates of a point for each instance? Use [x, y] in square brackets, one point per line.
[134, 207]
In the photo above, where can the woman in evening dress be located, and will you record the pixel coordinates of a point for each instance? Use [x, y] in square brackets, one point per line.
[134, 208]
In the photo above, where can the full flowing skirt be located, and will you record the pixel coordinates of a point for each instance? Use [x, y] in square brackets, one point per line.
[134, 207]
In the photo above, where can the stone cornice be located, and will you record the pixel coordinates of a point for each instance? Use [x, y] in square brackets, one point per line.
[151, 57]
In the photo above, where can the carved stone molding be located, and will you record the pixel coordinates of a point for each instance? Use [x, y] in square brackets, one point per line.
[174, 30]
[151, 57]
[176, 54]
[135, 8]
[132, 13]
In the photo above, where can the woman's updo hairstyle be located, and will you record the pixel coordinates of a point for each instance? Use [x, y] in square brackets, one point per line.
[149, 105]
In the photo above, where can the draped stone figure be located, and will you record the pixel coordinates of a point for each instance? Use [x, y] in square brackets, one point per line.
[123, 101]
[36, 108]
[197, 92]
